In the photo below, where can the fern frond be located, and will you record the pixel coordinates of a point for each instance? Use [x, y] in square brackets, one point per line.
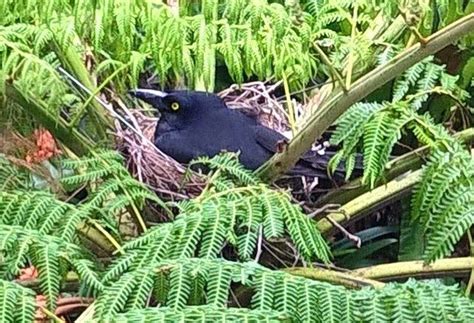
[219, 279]
[408, 79]
[373, 141]
[305, 299]
[251, 218]
[458, 219]
[265, 295]
[334, 304]
[48, 270]
[41, 211]
[286, 294]
[350, 124]
[114, 190]
[227, 163]
[141, 293]
[214, 235]
[273, 224]
[199, 313]
[381, 134]
[87, 271]
[18, 303]
[180, 285]
[47, 253]
[370, 306]
[161, 287]
[430, 77]
[443, 199]
[113, 299]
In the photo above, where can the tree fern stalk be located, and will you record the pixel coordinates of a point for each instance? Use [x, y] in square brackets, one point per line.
[371, 200]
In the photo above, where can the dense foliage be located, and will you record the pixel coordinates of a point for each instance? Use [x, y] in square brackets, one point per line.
[89, 226]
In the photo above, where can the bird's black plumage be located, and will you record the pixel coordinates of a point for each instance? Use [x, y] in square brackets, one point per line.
[194, 124]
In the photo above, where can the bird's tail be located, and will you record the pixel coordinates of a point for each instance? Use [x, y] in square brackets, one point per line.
[314, 164]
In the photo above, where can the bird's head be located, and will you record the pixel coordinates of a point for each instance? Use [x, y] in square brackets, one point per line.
[180, 104]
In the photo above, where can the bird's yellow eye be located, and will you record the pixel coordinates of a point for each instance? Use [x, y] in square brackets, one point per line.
[174, 106]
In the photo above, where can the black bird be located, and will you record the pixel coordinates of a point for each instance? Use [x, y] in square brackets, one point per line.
[194, 124]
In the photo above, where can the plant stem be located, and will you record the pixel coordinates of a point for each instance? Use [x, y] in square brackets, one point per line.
[350, 64]
[291, 108]
[51, 315]
[335, 73]
[109, 237]
[96, 237]
[75, 121]
[335, 277]
[72, 59]
[370, 201]
[471, 276]
[404, 269]
[338, 103]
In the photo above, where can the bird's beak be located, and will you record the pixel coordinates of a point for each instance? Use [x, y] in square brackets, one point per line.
[149, 96]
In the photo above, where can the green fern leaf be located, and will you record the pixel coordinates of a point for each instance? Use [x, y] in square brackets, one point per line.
[141, 293]
[119, 266]
[264, 297]
[161, 287]
[25, 306]
[334, 304]
[18, 303]
[307, 297]
[219, 280]
[87, 273]
[273, 226]
[286, 295]
[48, 269]
[215, 233]
[375, 131]
[251, 217]
[350, 124]
[188, 238]
[369, 307]
[8, 297]
[458, 218]
[430, 77]
[409, 79]
[180, 282]
[199, 313]
[114, 298]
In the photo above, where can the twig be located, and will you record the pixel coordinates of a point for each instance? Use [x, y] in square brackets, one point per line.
[350, 63]
[327, 61]
[346, 233]
[259, 243]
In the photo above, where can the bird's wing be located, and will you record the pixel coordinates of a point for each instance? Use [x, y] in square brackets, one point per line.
[269, 138]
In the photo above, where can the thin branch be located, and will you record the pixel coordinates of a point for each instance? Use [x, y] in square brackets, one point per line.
[350, 64]
[335, 73]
